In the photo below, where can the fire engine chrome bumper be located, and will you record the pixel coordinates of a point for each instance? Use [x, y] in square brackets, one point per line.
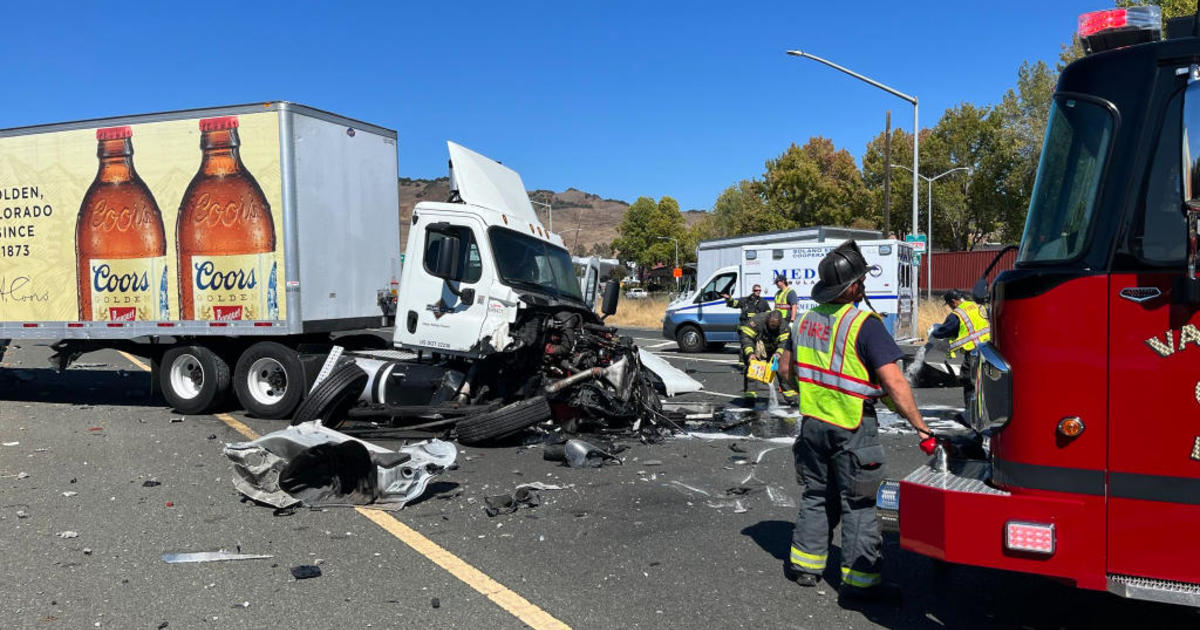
[957, 516]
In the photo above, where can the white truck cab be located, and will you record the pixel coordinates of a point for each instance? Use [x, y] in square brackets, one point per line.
[482, 257]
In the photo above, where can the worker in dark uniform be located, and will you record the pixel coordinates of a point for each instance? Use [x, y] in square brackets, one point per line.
[966, 327]
[750, 305]
[843, 360]
[785, 298]
[764, 338]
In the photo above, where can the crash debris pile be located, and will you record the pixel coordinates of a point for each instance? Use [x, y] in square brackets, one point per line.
[314, 465]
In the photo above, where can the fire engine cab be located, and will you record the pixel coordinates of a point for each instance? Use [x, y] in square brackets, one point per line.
[1084, 460]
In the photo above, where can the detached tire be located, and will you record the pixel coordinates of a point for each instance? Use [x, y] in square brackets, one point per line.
[503, 422]
[193, 379]
[332, 397]
[269, 380]
[690, 339]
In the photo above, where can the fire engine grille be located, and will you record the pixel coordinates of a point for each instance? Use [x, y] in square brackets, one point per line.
[962, 476]
[1165, 591]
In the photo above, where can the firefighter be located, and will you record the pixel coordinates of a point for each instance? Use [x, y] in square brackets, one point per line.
[750, 305]
[785, 298]
[764, 337]
[843, 360]
[966, 327]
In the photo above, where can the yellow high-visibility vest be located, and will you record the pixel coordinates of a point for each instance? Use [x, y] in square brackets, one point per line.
[834, 383]
[781, 302]
[972, 327]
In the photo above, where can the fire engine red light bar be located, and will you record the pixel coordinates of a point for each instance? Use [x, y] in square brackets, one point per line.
[1029, 537]
[1096, 21]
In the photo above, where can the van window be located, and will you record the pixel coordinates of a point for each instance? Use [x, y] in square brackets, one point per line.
[720, 284]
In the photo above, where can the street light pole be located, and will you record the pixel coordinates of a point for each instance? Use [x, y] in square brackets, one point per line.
[916, 167]
[929, 218]
[668, 238]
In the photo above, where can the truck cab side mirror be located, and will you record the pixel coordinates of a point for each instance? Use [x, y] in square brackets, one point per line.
[447, 257]
[1187, 290]
[612, 294]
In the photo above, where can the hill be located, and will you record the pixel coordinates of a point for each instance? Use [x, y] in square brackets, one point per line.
[587, 222]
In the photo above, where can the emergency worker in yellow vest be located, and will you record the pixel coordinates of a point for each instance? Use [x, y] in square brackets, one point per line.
[785, 298]
[843, 360]
[764, 337]
[966, 327]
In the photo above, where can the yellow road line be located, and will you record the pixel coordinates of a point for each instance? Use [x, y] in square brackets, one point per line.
[500, 595]
[237, 425]
[134, 360]
[518, 606]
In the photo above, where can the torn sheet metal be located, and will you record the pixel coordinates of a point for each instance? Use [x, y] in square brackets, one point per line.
[211, 556]
[675, 380]
[314, 465]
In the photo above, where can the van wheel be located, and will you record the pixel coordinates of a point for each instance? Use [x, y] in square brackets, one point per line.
[269, 380]
[193, 379]
[690, 339]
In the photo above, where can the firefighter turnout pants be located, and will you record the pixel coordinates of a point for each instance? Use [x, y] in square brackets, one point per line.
[967, 378]
[840, 471]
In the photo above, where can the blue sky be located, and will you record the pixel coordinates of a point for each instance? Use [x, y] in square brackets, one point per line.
[619, 99]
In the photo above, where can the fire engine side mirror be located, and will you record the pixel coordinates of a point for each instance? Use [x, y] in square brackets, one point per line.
[1187, 289]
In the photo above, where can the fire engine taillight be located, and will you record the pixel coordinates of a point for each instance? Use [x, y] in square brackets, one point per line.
[1102, 30]
[1029, 537]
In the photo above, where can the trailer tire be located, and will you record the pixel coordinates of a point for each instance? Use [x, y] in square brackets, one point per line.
[332, 397]
[193, 379]
[504, 421]
[690, 339]
[269, 380]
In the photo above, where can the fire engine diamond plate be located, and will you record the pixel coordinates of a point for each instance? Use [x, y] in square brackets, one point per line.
[968, 476]
[1196, 449]
[1183, 593]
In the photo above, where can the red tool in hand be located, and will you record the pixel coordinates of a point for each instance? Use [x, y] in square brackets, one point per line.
[928, 445]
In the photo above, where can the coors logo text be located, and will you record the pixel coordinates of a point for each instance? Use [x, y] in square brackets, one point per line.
[208, 278]
[104, 280]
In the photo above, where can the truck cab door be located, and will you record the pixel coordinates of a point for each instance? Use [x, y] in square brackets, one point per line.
[589, 281]
[444, 309]
[1154, 345]
[718, 321]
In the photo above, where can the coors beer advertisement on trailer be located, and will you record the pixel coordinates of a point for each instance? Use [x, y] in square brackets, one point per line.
[174, 220]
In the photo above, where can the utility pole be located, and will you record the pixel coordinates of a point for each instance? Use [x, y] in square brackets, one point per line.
[887, 176]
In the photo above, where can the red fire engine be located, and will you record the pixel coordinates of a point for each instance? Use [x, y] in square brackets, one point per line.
[1085, 461]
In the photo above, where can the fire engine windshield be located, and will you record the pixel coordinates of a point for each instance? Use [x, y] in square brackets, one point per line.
[1064, 195]
[526, 262]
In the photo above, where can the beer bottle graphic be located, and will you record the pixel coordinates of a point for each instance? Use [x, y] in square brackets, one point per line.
[225, 235]
[120, 243]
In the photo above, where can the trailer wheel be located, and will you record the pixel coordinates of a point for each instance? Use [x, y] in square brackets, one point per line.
[269, 380]
[690, 339]
[193, 378]
[332, 397]
[504, 421]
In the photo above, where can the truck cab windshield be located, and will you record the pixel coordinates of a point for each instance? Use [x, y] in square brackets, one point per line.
[531, 263]
[1062, 208]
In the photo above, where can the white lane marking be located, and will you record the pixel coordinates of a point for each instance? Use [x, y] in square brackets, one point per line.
[660, 345]
[683, 358]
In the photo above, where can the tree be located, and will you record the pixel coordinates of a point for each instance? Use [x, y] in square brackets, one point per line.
[742, 209]
[874, 171]
[816, 184]
[1170, 8]
[641, 228]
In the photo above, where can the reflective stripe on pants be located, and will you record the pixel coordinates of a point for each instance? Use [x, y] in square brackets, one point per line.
[812, 562]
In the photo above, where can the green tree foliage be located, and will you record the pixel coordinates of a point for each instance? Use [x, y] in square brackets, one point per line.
[816, 184]
[1170, 8]
[644, 222]
[742, 209]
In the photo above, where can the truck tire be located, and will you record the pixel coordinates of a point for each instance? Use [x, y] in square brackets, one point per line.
[690, 339]
[504, 421]
[193, 379]
[269, 380]
[332, 397]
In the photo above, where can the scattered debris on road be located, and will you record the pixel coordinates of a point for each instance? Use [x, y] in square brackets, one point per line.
[523, 496]
[220, 555]
[314, 465]
[306, 571]
[67, 534]
[577, 453]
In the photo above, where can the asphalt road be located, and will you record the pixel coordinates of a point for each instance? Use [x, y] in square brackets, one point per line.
[657, 542]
